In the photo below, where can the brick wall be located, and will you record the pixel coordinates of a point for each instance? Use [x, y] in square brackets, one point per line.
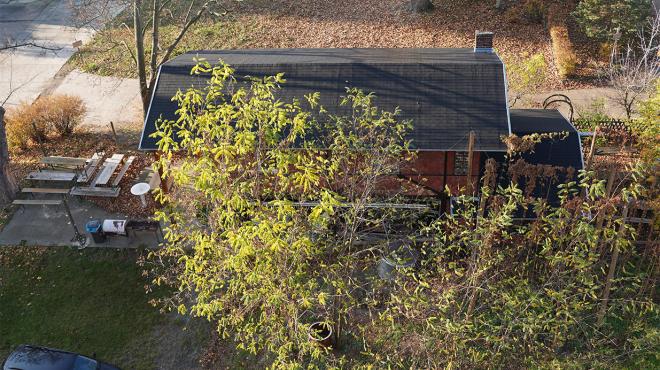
[433, 170]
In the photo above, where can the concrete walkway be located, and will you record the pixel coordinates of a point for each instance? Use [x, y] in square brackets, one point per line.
[107, 98]
[50, 226]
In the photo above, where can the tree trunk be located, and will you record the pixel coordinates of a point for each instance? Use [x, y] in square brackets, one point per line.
[139, 53]
[8, 186]
[419, 6]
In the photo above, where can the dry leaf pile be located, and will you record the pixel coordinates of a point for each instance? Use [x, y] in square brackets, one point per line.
[388, 23]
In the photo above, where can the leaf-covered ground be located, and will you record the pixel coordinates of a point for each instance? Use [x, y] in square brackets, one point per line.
[347, 23]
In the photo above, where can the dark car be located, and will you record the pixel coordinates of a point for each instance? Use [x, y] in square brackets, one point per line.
[27, 357]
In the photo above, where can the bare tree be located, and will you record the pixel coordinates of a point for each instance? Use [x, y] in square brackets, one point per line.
[148, 16]
[633, 71]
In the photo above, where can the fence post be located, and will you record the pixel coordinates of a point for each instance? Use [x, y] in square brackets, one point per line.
[470, 187]
[114, 133]
[592, 148]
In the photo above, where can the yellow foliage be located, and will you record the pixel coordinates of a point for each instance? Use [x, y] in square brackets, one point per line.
[58, 114]
[562, 48]
[24, 124]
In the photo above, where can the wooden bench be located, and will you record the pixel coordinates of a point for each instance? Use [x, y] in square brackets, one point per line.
[45, 190]
[89, 170]
[51, 176]
[109, 167]
[123, 170]
[95, 192]
[64, 161]
[36, 202]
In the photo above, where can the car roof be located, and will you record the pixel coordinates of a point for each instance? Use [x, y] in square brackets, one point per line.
[27, 357]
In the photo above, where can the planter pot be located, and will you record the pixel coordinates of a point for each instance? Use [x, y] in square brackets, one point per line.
[321, 333]
[401, 255]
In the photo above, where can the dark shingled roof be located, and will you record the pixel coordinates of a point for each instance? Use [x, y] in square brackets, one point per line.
[445, 92]
[565, 153]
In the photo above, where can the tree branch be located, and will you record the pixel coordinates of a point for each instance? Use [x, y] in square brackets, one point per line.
[20, 45]
[183, 31]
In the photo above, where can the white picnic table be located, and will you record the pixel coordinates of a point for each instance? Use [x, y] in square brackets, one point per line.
[82, 170]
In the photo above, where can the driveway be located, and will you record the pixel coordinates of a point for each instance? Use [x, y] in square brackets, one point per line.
[27, 71]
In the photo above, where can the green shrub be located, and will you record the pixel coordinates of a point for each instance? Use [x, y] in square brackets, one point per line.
[647, 127]
[525, 76]
[592, 115]
[600, 18]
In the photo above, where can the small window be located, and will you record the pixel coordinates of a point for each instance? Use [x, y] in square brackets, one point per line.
[461, 164]
[458, 205]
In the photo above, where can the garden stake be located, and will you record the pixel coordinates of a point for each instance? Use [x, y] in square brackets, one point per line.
[613, 262]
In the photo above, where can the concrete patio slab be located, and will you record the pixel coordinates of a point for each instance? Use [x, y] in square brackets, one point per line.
[50, 226]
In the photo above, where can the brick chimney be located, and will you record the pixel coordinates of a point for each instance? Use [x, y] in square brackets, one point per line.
[483, 42]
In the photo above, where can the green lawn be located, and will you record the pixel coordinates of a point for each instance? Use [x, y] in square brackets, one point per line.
[90, 301]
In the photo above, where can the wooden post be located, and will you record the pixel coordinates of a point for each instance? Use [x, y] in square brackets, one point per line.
[114, 133]
[610, 274]
[470, 187]
[592, 148]
[600, 219]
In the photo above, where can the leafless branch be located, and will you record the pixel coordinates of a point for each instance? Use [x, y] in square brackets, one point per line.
[633, 71]
[30, 43]
[184, 29]
[13, 89]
